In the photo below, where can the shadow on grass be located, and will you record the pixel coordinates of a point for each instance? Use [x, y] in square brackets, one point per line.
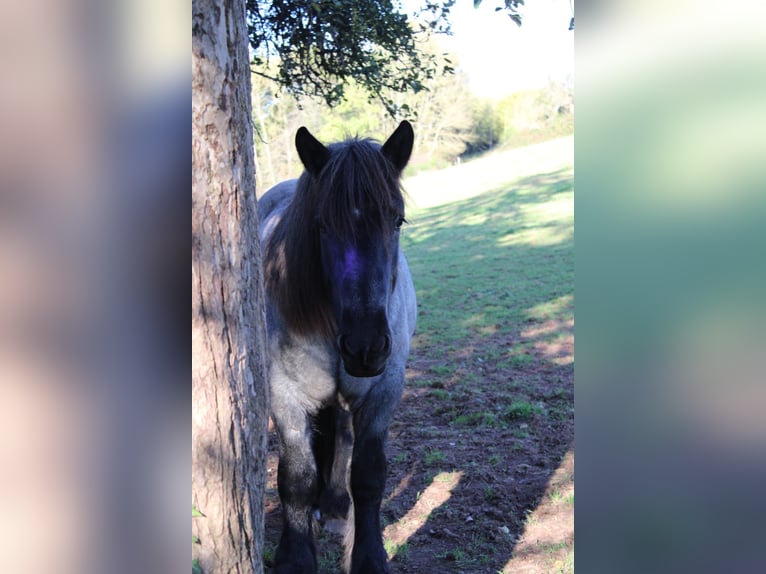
[488, 411]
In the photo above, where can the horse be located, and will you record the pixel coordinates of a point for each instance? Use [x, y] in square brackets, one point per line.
[340, 313]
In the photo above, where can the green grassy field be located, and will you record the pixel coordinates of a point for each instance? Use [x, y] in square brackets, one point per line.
[486, 265]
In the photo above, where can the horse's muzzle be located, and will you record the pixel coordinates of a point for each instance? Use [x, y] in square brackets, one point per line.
[364, 356]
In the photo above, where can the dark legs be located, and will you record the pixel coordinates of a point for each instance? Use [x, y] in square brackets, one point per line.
[297, 482]
[368, 475]
[333, 441]
[313, 464]
[368, 480]
[313, 470]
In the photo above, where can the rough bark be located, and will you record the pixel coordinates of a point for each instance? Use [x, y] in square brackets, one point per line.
[229, 392]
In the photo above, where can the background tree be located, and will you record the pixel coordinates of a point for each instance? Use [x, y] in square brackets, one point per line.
[320, 46]
[451, 122]
[229, 392]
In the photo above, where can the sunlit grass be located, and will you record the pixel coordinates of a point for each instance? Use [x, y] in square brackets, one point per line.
[554, 308]
[490, 263]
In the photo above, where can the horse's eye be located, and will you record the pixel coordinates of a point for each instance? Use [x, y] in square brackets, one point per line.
[400, 221]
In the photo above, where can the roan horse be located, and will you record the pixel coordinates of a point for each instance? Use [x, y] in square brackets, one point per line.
[340, 312]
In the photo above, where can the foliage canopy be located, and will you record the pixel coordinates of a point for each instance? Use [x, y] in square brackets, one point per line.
[322, 45]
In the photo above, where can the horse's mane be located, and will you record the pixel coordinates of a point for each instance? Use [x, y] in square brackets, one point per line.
[356, 177]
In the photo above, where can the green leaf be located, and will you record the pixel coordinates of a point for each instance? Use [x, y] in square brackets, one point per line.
[196, 512]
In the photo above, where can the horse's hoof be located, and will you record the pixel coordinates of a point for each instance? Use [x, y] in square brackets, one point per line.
[294, 557]
[371, 566]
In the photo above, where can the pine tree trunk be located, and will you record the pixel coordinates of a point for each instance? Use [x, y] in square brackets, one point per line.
[229, 392]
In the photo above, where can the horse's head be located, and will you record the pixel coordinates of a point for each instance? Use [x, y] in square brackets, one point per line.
[359, 210]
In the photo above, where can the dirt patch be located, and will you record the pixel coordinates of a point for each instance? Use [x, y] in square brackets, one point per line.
[481, 460]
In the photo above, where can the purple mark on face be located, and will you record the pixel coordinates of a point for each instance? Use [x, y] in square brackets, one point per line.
[352, 264]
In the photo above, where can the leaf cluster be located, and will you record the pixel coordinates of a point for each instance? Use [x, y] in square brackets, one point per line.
[322, 45]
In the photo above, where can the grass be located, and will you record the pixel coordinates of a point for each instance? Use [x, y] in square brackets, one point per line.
[471, 557]
[477, 419]
[555, 496]
[434, 456]
[329, 559]
[565, 566]
[453, 555]
[521, 410]
[441, 370]
[399, 551]
[269, 550]
[489, 264]
[400, 457]
[196, 568]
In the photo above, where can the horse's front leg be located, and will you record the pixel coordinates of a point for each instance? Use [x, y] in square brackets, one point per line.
[298, 484]
[334, 499]
[368, 479]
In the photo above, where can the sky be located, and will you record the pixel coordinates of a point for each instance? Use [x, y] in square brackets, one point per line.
[501, 58]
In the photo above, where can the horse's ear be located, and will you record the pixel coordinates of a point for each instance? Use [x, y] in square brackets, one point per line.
[313, 153]
[398, 147]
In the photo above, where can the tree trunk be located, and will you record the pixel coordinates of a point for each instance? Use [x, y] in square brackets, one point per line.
[229, 392]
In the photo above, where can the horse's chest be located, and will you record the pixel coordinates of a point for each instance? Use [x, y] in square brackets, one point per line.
[307, 373]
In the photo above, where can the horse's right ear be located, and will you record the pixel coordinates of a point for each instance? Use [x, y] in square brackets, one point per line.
[398, 146]
[313, 154]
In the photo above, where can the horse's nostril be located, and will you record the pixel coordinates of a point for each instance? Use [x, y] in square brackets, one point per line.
[382, 345]
[343, 345]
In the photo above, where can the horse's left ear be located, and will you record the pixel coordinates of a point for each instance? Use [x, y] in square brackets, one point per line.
[398, 147]
[313, 153]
